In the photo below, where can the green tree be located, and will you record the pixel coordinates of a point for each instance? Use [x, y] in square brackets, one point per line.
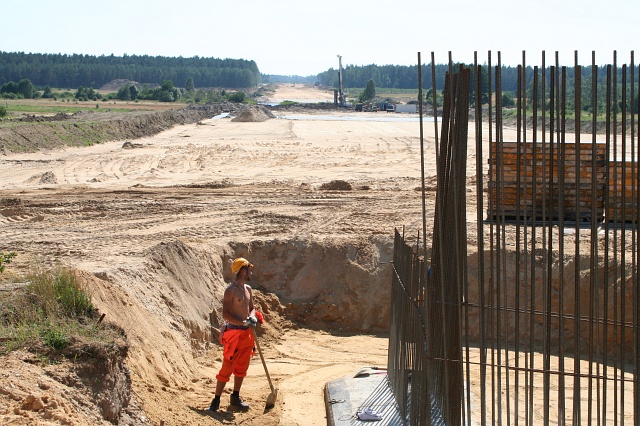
[87, 94]
[508, 100]
[47, 92]
[133, 92]
[369, 91]
[167, 86]
[189, 86]
[238, 96]
[166, 96]
[9, 87]
[124, 94]
[25, 87]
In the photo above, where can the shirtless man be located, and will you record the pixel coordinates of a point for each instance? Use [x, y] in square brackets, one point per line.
[238, 310]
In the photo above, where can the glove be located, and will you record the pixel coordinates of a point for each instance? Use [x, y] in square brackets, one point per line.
[260, 317]
[251, 320]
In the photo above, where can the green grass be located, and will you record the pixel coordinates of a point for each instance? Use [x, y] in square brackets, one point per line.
[43, 109]
[51, 313]
[569, 114]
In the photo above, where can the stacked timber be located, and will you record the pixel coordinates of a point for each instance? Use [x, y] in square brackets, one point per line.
[622, 199]
[540, 181]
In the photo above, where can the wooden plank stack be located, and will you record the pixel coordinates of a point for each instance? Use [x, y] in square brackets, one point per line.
[536, 195]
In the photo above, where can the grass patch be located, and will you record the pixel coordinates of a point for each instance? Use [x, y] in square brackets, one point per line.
[55, 109]
[51, 314]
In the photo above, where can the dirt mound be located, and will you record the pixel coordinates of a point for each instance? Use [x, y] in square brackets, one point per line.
[115, 85]
[254, 114]
[31, 118]
[336, 185]
[48, 177]
[61, 392]
[88, 128]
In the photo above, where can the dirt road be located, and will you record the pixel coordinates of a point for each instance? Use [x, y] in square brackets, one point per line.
[157, 223]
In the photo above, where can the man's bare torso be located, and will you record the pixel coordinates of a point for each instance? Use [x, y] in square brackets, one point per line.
[237, 303]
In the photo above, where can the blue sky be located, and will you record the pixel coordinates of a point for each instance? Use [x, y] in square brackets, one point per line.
[304, 37]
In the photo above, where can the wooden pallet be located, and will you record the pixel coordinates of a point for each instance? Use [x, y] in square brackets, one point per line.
[525, 182]
[622, 201]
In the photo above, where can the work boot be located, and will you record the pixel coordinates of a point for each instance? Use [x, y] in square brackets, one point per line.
[238, 403]
[215, 404]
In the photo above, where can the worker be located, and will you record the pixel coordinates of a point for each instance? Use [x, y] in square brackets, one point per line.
[237, 338]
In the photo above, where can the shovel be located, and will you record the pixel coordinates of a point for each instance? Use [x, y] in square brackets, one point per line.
[271, 399]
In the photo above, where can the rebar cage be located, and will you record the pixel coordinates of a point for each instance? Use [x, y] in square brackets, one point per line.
[529, 315]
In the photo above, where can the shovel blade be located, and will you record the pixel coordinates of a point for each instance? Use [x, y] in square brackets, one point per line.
[271, 400]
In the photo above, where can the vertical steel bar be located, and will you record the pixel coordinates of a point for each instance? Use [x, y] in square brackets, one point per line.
[480, 238]
[480, 242]
[516, 280]
[492, 236]
[525, 243]
[593, 284]
[547, 182]
[636, 246]
[434, 93]
[462, 295]
[422, 174]
[634, 224]
[576, 296]
[636, 283]
[492, 231]
[562, 149]
[610, 210]
[500, 312]
[548, 284]
[623, 238]
[617, 220]
[534, 207]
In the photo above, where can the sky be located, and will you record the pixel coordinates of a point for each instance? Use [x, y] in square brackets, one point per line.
[305, 37]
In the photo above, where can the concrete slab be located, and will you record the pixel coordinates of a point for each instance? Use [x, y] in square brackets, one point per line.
[345, 397]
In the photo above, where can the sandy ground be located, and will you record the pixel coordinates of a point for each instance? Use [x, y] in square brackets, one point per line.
[300, 93]
[212, 187]
[156, 225]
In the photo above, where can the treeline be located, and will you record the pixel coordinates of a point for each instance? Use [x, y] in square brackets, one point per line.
[406, 77]
[73, 71]
[166, 92]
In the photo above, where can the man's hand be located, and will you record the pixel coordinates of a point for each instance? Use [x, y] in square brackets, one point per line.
[251, 320]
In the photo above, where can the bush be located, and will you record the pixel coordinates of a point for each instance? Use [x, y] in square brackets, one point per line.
[54, 338]
[166, 96]
[5, 258]
[237, 97]
[10, 95]
[60, 293]
[70, 294]
[3, 113]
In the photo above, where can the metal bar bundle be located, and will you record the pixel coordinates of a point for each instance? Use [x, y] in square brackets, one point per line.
[537, 321]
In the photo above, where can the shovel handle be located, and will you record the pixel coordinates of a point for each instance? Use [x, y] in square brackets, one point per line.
[264, 364]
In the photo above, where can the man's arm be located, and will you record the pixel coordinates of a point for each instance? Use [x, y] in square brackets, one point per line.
[252, 310]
